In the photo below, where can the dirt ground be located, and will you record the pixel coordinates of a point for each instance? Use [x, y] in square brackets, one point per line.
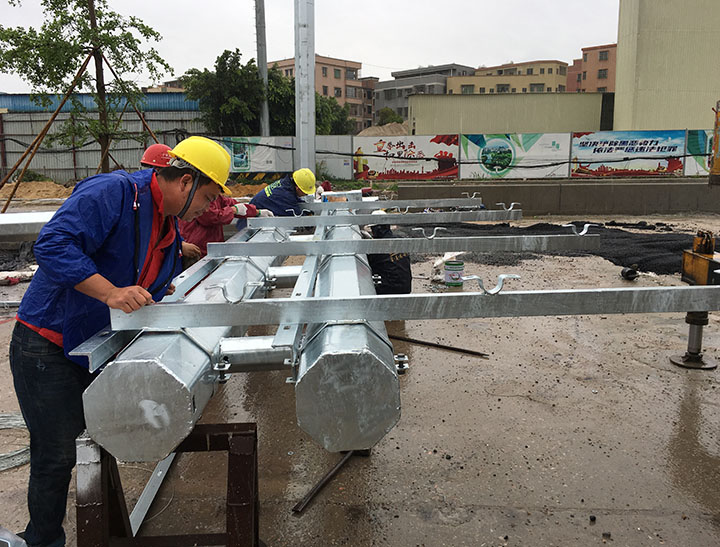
[575, 431]
[35, 190]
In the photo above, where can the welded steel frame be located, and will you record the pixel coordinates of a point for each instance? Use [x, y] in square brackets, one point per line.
[102, 516]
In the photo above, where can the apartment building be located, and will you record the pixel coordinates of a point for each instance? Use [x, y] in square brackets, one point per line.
[545, 76]
[340, 79]
[594, 71]
[429, 80]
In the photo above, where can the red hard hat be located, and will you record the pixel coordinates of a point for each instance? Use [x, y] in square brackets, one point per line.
[156, 156]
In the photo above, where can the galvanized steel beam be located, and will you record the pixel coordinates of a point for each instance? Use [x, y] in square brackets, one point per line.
[425, 306]
[401, 204]
[537, 244]
[409, 218]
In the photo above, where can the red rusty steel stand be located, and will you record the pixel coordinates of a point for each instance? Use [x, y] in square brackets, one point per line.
[102, 515]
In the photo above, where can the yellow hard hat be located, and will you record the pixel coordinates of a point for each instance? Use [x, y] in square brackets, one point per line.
[305, 179]
[207, 156]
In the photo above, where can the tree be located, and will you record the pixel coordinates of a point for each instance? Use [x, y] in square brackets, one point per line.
[229, 97]
[388, 115]
[48, 58]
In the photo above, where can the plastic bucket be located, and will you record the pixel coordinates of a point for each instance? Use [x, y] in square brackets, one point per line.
[454, 271]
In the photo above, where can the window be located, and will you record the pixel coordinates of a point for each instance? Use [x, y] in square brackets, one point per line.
[503, 88]
[351, 92]
[467, 89]
[405, 112]
[450, 91]
[549, 89]
[513, 90]
[288, 72]
[524, 89]
[603, 55]
[499, 72]
[337, 73]
[338, 92]
[602, 89]
[492, 90]
[368, 110]
[550, 70]
[562, 70]
[351, 74]
[325, 90]
[561, 89]
[602, 74]
[542, 71]
[389, 94]
[537, 88]
[579, 78]
[399, 111]
[324, 72]
[585, 57]
[529, 71]
[584, 75]
[481, 90]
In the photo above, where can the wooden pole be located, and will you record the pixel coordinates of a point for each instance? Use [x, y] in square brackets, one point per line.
[127, 96]
[714, 178]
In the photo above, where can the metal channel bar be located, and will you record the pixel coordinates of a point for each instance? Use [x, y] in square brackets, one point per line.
[389, 204]
[101, 347]
[253, 353]
[289, 334]
[539, 243]
[149, 492]
[23, 226]
[424, 306]
[410, 218]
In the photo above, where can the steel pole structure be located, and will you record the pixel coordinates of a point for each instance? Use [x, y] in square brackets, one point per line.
[347, 394]
[262, 64]
[146, 401]
[305, 82]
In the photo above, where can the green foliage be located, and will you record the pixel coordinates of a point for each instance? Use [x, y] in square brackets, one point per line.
[388, 115]
[49, 57]
[229, 96]
[281, 103]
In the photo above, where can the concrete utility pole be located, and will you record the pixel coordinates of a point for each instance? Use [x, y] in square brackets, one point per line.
[714, 177]
[305, 82]
[262, 64]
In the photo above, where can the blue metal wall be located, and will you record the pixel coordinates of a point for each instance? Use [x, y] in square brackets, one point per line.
[153, 102]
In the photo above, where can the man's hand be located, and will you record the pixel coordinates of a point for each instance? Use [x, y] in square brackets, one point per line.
[265, 213]
[128, 299]
[191, 251]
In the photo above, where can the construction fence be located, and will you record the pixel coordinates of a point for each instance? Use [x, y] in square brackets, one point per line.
[415, 157]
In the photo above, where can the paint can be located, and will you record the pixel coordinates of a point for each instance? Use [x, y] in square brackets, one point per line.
[454, 271]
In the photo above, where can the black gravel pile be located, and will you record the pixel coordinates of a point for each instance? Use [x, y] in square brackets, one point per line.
[12, 260]
[659, 252]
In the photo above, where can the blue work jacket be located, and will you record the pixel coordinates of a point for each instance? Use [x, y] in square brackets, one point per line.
[97, 230]
[279, 197]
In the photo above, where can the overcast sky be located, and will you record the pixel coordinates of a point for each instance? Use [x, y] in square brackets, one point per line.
[384, 35]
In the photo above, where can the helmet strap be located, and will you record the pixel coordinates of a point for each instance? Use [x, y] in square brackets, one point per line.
[191, 195]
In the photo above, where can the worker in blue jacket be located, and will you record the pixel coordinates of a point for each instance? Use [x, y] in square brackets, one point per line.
[114, 243]
[283, 197]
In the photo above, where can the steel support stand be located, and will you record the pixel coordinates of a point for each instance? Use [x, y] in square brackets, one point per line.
[693, 357]
[102, 516]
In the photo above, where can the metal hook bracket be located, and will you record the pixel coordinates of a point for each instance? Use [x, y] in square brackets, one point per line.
[573, 227]
[500, 281]
[506, 208]
[435, 231]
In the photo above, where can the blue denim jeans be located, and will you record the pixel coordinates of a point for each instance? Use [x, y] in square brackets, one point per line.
[49, 388]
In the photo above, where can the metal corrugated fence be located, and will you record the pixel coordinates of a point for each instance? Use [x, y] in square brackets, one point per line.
[63, 163]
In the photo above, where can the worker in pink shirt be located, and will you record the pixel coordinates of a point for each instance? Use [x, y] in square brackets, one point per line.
[208, 227]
